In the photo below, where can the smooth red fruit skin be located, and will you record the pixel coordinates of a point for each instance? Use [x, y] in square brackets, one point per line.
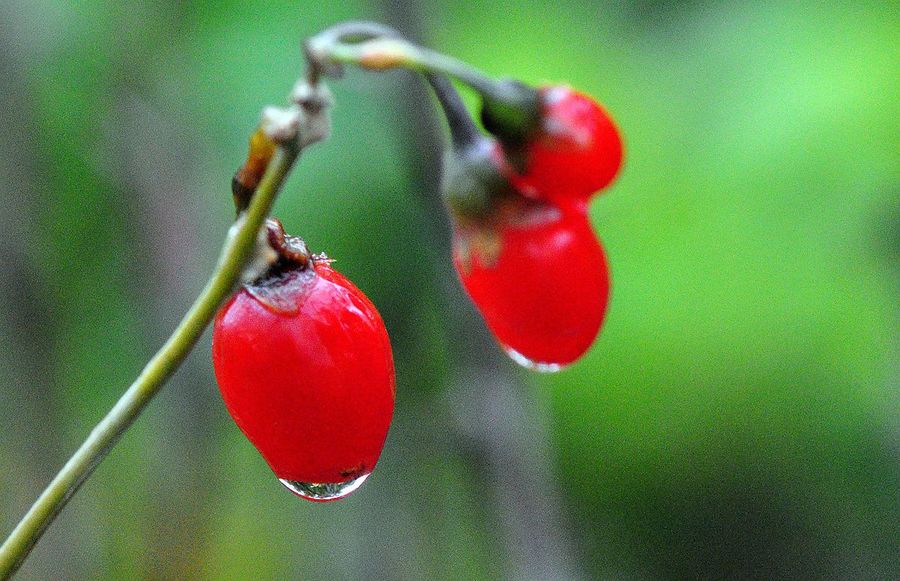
[576, 151]
[541, 282]
[313, 389]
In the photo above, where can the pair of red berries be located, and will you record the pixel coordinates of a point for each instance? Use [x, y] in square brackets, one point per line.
[523, 245]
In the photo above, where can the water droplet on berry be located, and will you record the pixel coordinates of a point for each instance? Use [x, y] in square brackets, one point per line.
[527, 363]
[323, 491]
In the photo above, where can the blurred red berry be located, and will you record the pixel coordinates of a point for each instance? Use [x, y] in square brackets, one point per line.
[538, 275]
[575, 151]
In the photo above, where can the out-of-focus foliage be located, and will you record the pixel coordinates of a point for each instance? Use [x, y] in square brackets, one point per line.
[738, 416]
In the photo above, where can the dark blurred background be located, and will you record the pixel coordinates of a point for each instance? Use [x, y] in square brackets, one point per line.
[737, 418]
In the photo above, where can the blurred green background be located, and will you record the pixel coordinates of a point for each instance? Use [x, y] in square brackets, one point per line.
[737, 418]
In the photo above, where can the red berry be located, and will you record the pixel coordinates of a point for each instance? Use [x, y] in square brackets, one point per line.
[538, 275]
[308, 378]
[575, 151]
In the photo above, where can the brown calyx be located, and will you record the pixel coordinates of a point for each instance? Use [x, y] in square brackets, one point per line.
[281, 287]
[292, 250]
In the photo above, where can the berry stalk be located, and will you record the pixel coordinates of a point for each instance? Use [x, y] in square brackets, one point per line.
[375, 47]
[463, 131]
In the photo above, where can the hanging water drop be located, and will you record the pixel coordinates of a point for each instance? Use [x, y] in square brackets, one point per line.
[323, 492]
[527, 363]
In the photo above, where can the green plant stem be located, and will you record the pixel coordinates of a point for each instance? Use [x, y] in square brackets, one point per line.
[391, 52]
[235, 253]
